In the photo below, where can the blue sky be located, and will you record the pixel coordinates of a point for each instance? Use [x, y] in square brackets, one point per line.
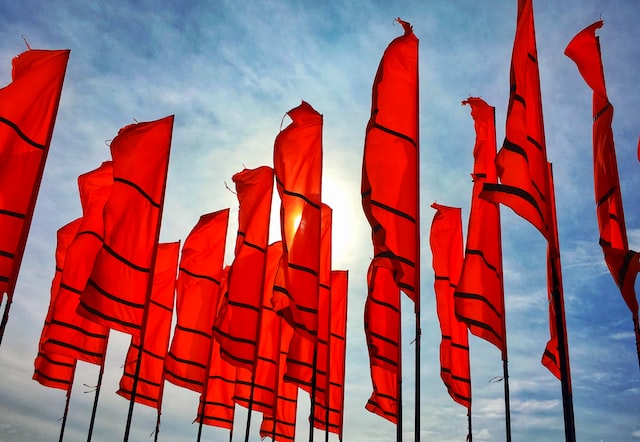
[229, 71]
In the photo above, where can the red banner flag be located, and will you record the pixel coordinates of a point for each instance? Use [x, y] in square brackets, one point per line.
[479, 296]
[524, 172]
[390, 202]
[265, 374]
[28, 109]
[446, 248]
[118, 288]
[281, 424]
[156, 331]
[69, 333]
[304, 356]
[330, 413]
[297, 159]
[584, 50]
[216, 406]
[51, 369]
[238, 322]
[198, 298]
[389, 169]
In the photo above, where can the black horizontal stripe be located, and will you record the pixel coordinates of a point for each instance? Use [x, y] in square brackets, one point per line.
[302, 268]
[551, 356]
[243, 305]
[391, 255]
[515, 191]
[109, 318]
[76, 348]
[297, 195]
[305, 309]
[536, 143]
[162, 306]
[46, 357]
[461, 379]
[441, 278]
[384, 304]
[622, 275]
[143, 380]
[393, 210]
[235, 358]
[181, 378]
[337, 336]
[139, 189]
[21, 134]
[79, 329]
[481, 325]
[294, 380]
[186, 361]
[302, 327]
[215, 418]
[480, 253]
[124, 260]
[396, 134]
[300, 363]
[6, 254]
[52, 379]
[90, 233]
[71, 289]
[460, 346]
[477, 297]
[193, 330]
[235, 338]
[532, 57]
[376, 405]
[253, 246]
[113, 297]
[520, 99]
[196, 275]
[604, 243]
[606, 195]
[515, 148]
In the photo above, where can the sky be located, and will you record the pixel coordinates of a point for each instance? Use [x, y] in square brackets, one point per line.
[229, 71]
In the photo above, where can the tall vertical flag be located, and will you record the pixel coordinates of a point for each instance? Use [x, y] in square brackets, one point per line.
[238, 324]
[584, 50]
[297, 159]
[446, 248]
[28, 110]
[390, 196]
[69, 333]
[330, 413]
[198, 296]
[119, 286]
[479, 297]
[527, 188]
[51, 369]
[150, 383]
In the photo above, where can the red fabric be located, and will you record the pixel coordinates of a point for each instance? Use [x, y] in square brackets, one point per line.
[389, 169]
[479, 296]
[266, 368]
[522, 160]
[584, 50]
[525, 180]
[330, 412]
[155, 338]
[51, 369]
[69, 333]
[237, 324]
[446, 249]
[116, 292]
[297, 159]
[281, 425]
[382, 329]
[303, 354]
[28, 109]
[216, 406]
[390, 202]
[198, 298]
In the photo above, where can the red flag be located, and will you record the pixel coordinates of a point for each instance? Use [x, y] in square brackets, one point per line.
[297, 159]
[69, 333]
[237, 324]
[156, 333]
[281, 424]
[525, 181]
[28, 109]
[584, 50]
[119, 285]
[265, 375]
[389, 169]
[216, 406]
[51, 369]
[446, 248]
[330, 413]
[303, 355]
[197, 300]
[479, 297]
[382, 328]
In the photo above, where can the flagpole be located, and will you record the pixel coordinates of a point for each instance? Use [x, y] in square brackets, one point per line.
[66, 406]
[470, 434]
[145, 311]
[399, 374]
[327, 388]
[5, 315]
[203, 396]
[416, 289]
[95, 399]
